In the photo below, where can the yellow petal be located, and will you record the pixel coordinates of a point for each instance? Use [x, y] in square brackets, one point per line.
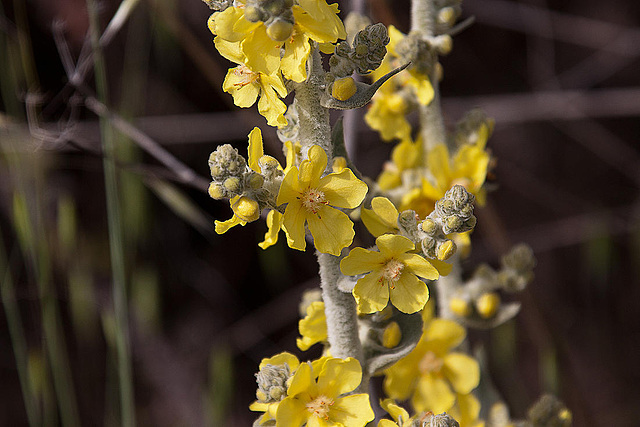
[419, 266]
[469, 410]
[352, 410]
[319, 21]
[339, 376]
[394, 410]
[386, 423]
[313, 327]
[256, 150]
[442, 267]
[275, 82]
[281, 359]
[291, 413]
[332, 230]
[407, 155]
[410, 294]
[223, 226]
[391, 245]
[223, 23]
[311, 169]
[382, 218]
[293, 225]
[433, 394]
[301, 381]
[438, 162]
[289, 189]
[230, 50]
[361, 261]
[343, 189]
[462, 371]
[294, 60]
[274, 222]
[271, 107]
[262, 54]
[371, 294]
[442, 335]
[423, 88]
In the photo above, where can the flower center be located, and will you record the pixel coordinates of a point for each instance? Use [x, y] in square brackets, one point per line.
[320, 406]
[391, 272]
[430, 363]
[245, 75]
[312, 198]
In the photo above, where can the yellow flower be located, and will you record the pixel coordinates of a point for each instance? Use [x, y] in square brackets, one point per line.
[313, 327]
[315, 396]
[388, 114]
[382, 218]
[404, 156]
[313, 20]
[392, 275]
[466, 411]
[432, 375]
[310, 198]
[467, 167]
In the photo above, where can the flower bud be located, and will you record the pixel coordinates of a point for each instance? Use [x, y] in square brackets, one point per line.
[255, 181]
[392, 335]
[254, 14]
[339, 163]
[429, 226]
[344, 88]
[487, 304]
[444, 44]
[246, 209]
[446, 250]
[280, 30]
[272, 382]
[447, 16]
[216, 191]
[460, 306]
[233, 185]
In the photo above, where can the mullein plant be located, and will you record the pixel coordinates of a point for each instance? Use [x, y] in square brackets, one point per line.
[374, 313]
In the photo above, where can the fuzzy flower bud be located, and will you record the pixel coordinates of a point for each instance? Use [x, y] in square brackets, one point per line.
[280, 29]
[343, 88]
[548, 411]
[446, 250]
[246, 209]
[272, 383]
[217, 191]
[392, 335]
[431, 420]
[460, 306]
[218, 5]
[517, 268]
[487, 304]
[456, 210]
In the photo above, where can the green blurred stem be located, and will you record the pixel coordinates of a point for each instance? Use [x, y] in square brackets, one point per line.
[123, 350]
[423, 19]
[18, 342]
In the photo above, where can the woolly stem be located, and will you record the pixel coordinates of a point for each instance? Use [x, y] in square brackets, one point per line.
[423, 19]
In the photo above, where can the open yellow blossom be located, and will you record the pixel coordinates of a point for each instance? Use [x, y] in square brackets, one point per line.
[404, 156]
[313, 327]
[432, 375]
[316, 396]
[392, 275]
[399, 414]
[246, 85]
[467, 167]
[313, 20]
[310, 197]
[388, 114]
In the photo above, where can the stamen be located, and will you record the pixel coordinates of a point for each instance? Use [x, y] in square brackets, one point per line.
[392, 272]
[312, 199]
[320, 406]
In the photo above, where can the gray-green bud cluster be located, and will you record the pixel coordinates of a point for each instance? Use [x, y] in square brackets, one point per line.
[218, 5]
[366, 54]
[228, 170]
[276, 15]
[456, 210]
[272, 383]
[517, 268]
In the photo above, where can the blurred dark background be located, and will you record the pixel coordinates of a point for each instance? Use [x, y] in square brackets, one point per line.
[560, 78]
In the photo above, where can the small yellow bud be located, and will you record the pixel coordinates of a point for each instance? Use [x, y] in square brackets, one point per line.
[233, 184]
[280, 30]
[267, 162]
[339, 163]
[446, 250]
[447, 16]
[261, 396]
[216, 191]
[444, 44]
[344, 88]
[439, 71]
[256, 181]
[246, 209]
[392, 335]
[453, 222]
[429, 226]
[487, 304]
[460, 307]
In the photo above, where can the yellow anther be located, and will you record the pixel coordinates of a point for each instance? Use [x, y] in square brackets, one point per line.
[344, 88]
[446, 250]
[392, 335]
[487, 305]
